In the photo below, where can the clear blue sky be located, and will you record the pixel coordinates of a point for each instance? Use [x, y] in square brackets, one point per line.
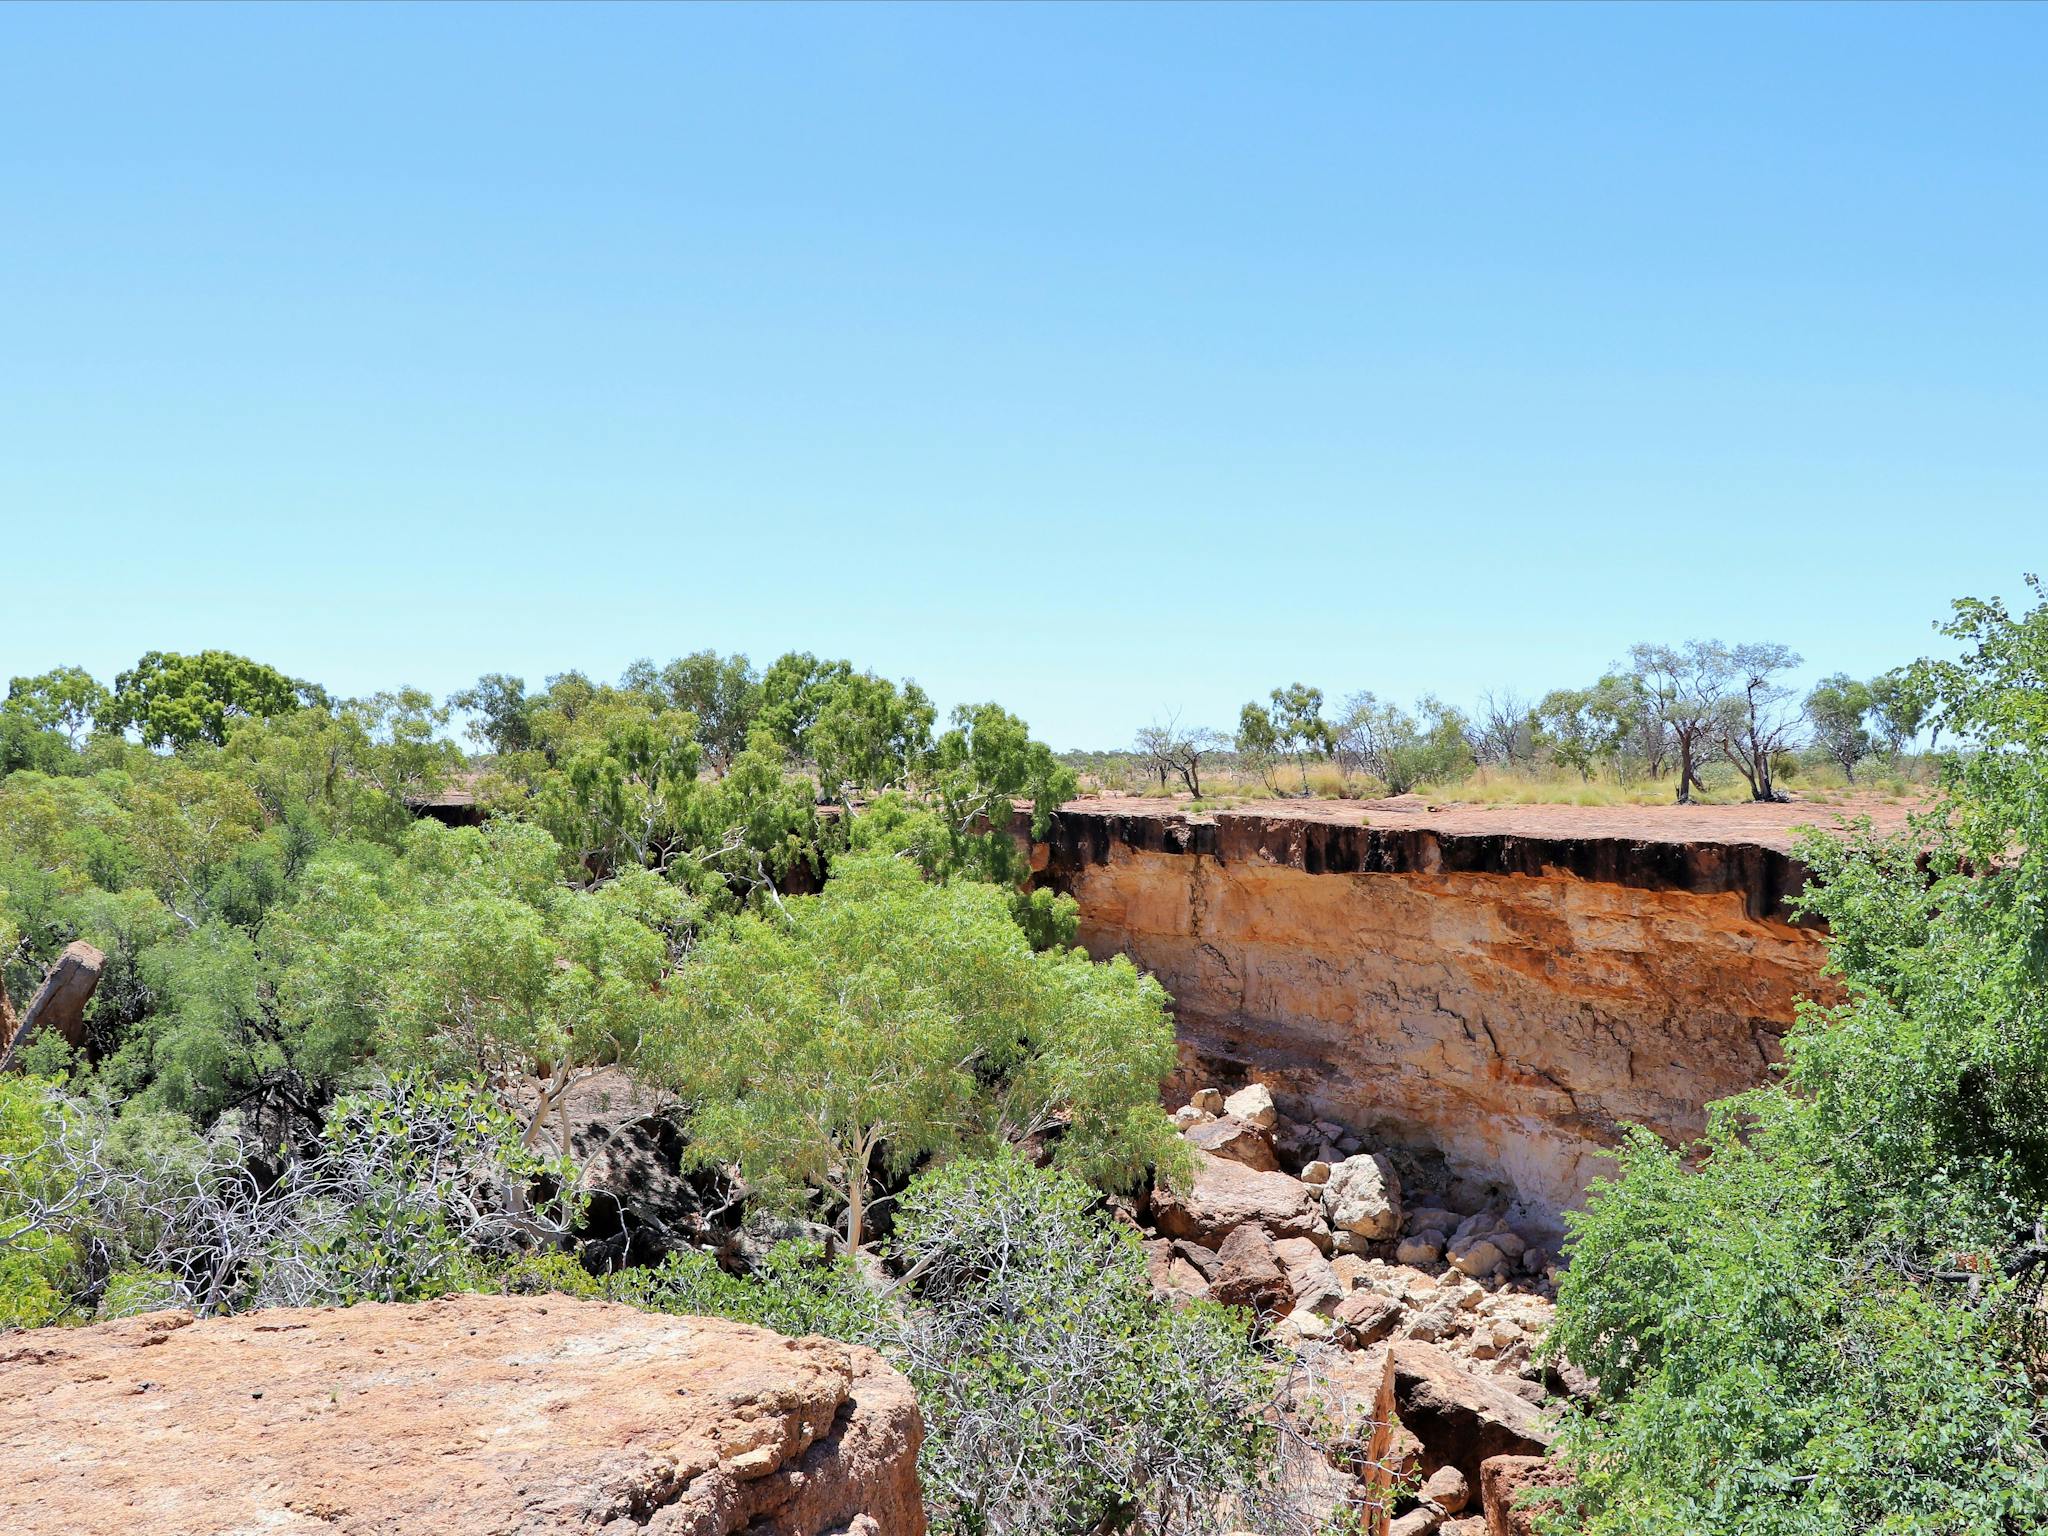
[1100, 361]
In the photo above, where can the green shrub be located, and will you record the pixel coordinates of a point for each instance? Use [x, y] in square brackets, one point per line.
[1826, 1319]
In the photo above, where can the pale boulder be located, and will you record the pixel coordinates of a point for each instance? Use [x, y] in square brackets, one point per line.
[1253, 1105]
[1363, 1197]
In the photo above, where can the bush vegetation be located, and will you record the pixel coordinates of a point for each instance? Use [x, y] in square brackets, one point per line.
[1826, 1318]
[1701, 721]
[333, 1050]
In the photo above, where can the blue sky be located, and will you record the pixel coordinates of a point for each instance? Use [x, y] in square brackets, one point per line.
[1100, 361]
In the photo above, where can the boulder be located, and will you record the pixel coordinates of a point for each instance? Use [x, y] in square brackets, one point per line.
[1225, 1194]
[1477, 1257]
[1363, 1197]
[1208, 1100]
[532, 1415]
[1317, 1172]
[59, 1003]
[1248, 1272]
[1433, 1218]
[1447, 1489]
[1423, 1248]
[1422, 1520]
[1254, 1106]
[1235, 1139]
[1313, 1282]
[1366, 1317]
[1187, 1117]
[1509, 1491]
[1460, 1418]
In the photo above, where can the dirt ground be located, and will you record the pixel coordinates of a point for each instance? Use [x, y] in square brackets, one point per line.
[1765, 825]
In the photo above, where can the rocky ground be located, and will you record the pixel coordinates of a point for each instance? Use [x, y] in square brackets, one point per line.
[515, 1415]
[1771, 825]
[1414, 1310]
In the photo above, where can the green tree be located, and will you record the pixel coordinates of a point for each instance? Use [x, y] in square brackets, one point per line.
[793, 690]
[1292, 727]
[469, 957]
[1824, 1320]
[68, 700]
[1837, 707]
[176, 700]
[723, 693]
[1686, 689]
[869, 735]
[1899, 703]
[842, 1040]
[503, 714]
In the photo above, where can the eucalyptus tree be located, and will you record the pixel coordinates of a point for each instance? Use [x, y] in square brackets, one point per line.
[173, 700]
[1685, 687]
[831, 1045]
[1757, 720]
[1838, 706]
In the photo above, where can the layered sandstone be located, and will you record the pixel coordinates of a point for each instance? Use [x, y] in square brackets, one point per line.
[514, 1416]
[1503, 986]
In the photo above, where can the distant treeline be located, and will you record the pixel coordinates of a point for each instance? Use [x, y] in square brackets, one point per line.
[1668, 711]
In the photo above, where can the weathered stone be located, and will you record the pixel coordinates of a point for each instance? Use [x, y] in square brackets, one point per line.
[1254, 1106]
[1477, 1257]
[1208, 1100]
[1423, 1248]
[1422, 1520]
[1187, 1117]
[525, 1415]
[1460, 1418]
[1363, 1196]
[1510, 1491]
[1447, 1489]
[1185, 1281]
[59, 1003]
[1314, 1283]
[1433, 1218]
[1225, 1194]
[1248, 1273]
[1233, 1138]
[1366, 1317]
[1317, 1172]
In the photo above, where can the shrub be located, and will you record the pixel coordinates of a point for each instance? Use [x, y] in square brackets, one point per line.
[1825, 1319]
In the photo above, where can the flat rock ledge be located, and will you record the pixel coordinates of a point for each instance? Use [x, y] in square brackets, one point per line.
[472, 1415]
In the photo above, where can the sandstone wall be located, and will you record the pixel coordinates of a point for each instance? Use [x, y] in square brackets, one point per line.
[1505, 1000]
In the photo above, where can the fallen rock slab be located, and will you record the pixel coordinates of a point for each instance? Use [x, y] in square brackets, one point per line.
[1227, 1194]
[520, 1416]
[1236, 1140]
[1462, 1419]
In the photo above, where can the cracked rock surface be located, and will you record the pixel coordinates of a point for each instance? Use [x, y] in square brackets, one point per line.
[474, 1414]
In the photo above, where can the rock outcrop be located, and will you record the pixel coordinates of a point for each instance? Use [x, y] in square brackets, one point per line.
[1502, 986]
[59, 1003]
[1462, 1419]
[517, 1416]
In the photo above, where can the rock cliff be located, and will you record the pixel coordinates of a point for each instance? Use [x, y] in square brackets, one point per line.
[1502, 986]
[514, 1416]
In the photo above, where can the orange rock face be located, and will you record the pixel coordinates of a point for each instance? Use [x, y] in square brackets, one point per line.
[513, 1415]
[1504, 1002]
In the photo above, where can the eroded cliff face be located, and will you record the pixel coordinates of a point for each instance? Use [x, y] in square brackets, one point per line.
[1506, 1000]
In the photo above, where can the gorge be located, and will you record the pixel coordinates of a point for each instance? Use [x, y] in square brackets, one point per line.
[1501, 987]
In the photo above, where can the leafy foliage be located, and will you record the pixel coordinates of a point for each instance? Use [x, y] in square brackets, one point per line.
[176, 700]
[1825, 1320]
[836, 1043]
